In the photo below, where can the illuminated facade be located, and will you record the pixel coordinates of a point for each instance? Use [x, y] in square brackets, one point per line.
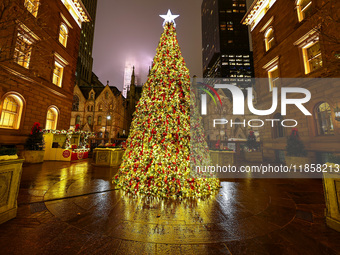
[225, 41]
[39, 49]
[100, 110]
[302, 43]
[103, 109]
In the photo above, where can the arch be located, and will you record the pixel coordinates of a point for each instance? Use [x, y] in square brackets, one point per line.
[323, 119]
[11, 107]
[63, 34]
[269, 38]
[75, 105]
[52, 117]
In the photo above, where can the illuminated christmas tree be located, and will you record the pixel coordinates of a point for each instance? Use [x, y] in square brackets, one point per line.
[159, 157]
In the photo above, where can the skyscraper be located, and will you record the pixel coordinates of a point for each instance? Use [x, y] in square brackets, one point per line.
[225, 41]
[85, 60]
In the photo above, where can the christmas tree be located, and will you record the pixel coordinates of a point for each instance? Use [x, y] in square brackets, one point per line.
[160, 154]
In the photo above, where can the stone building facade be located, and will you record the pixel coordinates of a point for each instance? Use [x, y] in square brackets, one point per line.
[103, 109]
[39, 48]
[302, 43]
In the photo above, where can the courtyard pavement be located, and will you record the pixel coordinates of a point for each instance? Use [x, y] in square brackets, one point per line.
[73, 208]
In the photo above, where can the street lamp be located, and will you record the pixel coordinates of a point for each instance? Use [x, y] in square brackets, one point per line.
[108, 118]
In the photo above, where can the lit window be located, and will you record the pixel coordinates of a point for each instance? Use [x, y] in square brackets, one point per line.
[11, 111]
[23, 50]
[58, 70]
[63, 34]
[99, 120]
[32, 6]
[100, 107]
[312, 57]
[324, 119]
[273, 75]
[52, 118]
[304, 8]
[269, 38]
[58, 74]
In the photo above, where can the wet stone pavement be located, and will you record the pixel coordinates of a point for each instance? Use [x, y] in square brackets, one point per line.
[73, 208]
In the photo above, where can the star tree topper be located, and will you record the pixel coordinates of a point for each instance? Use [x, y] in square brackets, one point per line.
[169, 18]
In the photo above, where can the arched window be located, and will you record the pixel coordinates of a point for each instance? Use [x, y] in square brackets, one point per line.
[12, 106]
[324, 119]
[75, 106]
[91, 96]
[269, 38]
[278, 130]
[77, 119]
[99, 120]
[89, 120]
[100, 107]
[52, 118]
[304, 8]
[63, 34]
[106, 95]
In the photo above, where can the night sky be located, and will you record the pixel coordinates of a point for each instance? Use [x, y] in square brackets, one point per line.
[129, 31]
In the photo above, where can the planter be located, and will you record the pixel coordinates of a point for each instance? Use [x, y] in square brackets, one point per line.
[222, 158]
[107, 157]
[33, 156]
[254, 156]
[10, 176]
[296, 160]
[331, 181]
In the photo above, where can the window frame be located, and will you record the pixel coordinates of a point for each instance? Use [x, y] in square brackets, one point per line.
[55, 111]
[307, 61]
[20, 56]
[33, 4]
[270, 67]
[317, 115]
[20, 107]
[65, 37]
[61, 63]
[301, 12]
[76, 120]
[269, 44]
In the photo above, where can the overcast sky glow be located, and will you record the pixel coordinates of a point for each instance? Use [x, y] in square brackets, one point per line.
[129, 31]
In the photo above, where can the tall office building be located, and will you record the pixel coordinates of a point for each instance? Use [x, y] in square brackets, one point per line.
[225, 41]
[85, 60]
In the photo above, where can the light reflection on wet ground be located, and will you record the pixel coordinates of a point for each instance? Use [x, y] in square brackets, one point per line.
[246, 216]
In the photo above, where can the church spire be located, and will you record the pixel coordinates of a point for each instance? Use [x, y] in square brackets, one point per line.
[133, 77]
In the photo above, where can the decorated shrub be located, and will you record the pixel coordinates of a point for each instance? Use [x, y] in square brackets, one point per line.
[35, 140]
[251, 143]
[295, 146]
